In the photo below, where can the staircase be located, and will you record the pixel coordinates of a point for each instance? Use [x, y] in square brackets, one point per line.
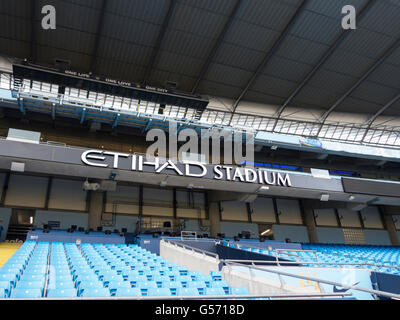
[18, 231]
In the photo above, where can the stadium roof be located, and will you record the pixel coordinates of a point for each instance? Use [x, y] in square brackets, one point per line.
[276, 52]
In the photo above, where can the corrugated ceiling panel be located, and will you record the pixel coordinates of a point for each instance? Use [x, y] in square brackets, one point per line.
[228, 75]
[332, 81]
[256, 96]
[130, 30]
[218, 89]
[240, 57]
[317, 97]
[357, 105]
[251, 36]
[145, 11]
[374, 93]
[186, 65]
[15, 28]
[367, 43]
[317, 28]
[333, 9]
[223, 7]
[387, 74]
[287, 69]
[270, 14]
[383, 19]
[273, 86]
[302, 50]
[348, 63]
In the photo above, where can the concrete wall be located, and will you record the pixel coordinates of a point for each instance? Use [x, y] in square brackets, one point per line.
[188, 258]
[66, 218]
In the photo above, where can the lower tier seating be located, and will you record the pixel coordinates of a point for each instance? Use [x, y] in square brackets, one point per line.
[65, 270]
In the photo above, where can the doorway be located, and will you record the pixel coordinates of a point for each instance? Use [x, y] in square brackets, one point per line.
[21, 222]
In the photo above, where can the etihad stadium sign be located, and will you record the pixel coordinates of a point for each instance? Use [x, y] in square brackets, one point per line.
[139, 163]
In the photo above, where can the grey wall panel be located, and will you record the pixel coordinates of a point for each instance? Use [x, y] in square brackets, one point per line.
[66, 218]
[294, 233]
[371, 187]
[371, 218]
[234, 210]
[325, 217]
[396, 220]
[377, 237]
[330, 235]
[263, 210]
[124, 200]
[232, 229]
[349, 218]
[67, 195]
[289, 211]
[26, 191]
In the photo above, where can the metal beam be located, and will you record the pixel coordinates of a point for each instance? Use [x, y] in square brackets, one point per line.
[83, 115]
[53, 111]
[381, 59]
[380, 111]
[221, 37]
[159, 40]
[269, 54]
[33, 41]
[21, 105]
[147, 125]
[99, 31]
[343, 36]
[116, 121]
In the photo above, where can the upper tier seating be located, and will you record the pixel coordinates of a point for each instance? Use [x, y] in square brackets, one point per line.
[58, 270]
[375, 258]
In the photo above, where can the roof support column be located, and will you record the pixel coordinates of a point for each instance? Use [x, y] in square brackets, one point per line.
[387, 220]
[95, 209]
[215, 217]
[308, 216]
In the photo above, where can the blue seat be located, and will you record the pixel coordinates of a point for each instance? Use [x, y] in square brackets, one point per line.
[113, 285]
[30, 285]
[62, 293]
[171, 284]
[219, 284]
[95, 292]
[158, 292]
[90, 285]
[54, 284]
[214, 291]
[187, 291]
[33, 277]
[239, 290]
[146, 284]
[9, 277]
[196, 284]
[26, 293]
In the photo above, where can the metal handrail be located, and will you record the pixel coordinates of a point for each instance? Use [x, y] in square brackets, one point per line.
[282, 273]
[178, 244]
[201, 297]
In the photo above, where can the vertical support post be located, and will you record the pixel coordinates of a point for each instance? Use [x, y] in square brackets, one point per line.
[389, 225]
[309, 221]
[95, 209]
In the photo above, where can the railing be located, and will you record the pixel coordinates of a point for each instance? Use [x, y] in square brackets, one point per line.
[253, 266]
[201, 297]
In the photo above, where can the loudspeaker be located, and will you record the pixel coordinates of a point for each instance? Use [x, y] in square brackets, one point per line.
[73, 227]
[262, 239]
[240, 235]
[236, 238]
[86, 231]
[121, 234]
[205, 235]
[155, 235]
[107, 232]
[100, 229]
[80, 229]
[247, 236]
[124, 230]
[167, 224]
[70, 230]
[116, 231]
[287, 240]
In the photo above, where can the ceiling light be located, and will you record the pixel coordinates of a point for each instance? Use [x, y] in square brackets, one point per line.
[265, 232]
[351, 197]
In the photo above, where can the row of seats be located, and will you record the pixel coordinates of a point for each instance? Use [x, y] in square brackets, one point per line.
[374, 258]
[68, 271]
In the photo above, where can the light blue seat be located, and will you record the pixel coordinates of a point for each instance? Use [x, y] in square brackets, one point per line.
[90, 285]
[135, 278]
[26, 293]
[30, 285]
[3, 293]
[95, 292]
[86, 277]
[33, 277]
[239, 290]
[196, 284]
[62, 293]
[109, 278]
[114, 285]
[61, 284]
[158, 292]
[9, 277]
[214, 291]
[217, 284]
[171, 284]
[146, 284]
[187, 291]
